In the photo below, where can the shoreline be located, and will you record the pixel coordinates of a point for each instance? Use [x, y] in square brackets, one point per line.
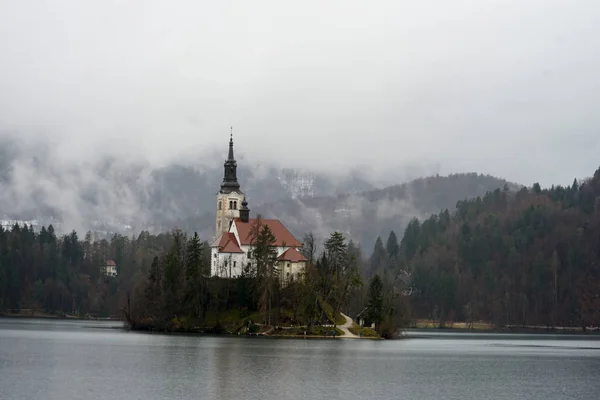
[578, 331]
[257, 336]
[511, 330]
[57, 317]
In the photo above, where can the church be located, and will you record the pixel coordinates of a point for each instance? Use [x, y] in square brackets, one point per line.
[231, 250]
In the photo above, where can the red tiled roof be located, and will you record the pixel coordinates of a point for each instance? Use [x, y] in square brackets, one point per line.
[292, 255]
[282, 235]
[111, 263]
[229, 244]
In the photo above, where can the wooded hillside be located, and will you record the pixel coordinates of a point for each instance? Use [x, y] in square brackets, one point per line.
[531, 257]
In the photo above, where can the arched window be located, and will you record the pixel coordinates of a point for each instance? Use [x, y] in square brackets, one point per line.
[220, 204]
[235, 205]
[230, 205]
[219, 225]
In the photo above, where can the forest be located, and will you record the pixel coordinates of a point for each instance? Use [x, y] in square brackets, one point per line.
[528, 257]
[525, 258]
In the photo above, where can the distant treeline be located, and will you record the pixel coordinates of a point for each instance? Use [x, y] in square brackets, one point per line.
[525, 258]
[529, 257]
[64, 275]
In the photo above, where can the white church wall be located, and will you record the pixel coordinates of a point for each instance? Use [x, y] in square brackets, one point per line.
[227, 264]
[232, 264]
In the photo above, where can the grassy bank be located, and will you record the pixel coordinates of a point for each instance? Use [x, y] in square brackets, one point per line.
[433, 324]
[299, 332]
[483, 326]
[366, 332]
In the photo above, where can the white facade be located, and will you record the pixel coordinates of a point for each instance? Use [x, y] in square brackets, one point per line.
[230, 265]
[227, 265]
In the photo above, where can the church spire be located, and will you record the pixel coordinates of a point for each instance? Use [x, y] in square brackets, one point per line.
[230, 182]
[230, 156]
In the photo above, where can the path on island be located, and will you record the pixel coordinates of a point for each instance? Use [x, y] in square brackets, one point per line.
[344, 328]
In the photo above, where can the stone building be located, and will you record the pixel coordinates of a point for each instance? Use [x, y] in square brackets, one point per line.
[231, 250]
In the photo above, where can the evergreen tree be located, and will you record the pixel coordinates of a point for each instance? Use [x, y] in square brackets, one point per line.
[392, 247]
[172, 282]
[379, 257]
[342, 273]
[375, 301]
[196, 274]
[410, 241]
[265, 255]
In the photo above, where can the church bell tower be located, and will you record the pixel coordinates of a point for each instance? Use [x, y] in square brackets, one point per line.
[229, 197]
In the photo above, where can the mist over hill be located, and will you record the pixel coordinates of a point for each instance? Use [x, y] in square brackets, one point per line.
[116, 194]
[363, 216]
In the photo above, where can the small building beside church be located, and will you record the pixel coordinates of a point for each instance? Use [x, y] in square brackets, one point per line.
[231, 250]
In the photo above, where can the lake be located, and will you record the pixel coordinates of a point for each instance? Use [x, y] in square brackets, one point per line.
[63, 360]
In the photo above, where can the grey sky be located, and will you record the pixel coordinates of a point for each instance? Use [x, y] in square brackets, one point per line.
[504, 87]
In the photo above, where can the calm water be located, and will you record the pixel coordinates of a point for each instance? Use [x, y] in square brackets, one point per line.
[92, 360]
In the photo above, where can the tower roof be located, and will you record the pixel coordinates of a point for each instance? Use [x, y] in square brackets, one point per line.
[230, 182]
[230, 155]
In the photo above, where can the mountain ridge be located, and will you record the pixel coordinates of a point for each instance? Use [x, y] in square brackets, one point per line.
[119, 195]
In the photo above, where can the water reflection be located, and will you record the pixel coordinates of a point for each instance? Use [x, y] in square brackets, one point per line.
[74, 360]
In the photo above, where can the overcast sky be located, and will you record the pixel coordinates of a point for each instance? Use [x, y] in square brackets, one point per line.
[507, 87]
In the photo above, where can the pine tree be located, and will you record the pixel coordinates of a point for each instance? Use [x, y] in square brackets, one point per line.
[265, 256]
[336, 252]
[173, 274]
[375, 301]
[392, 246]
[195, 277]
[378, 258]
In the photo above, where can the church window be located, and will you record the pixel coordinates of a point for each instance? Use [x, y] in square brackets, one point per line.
[235, 205]
[220, 204]
[219, 225]
[230, 205]
[234, 264]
